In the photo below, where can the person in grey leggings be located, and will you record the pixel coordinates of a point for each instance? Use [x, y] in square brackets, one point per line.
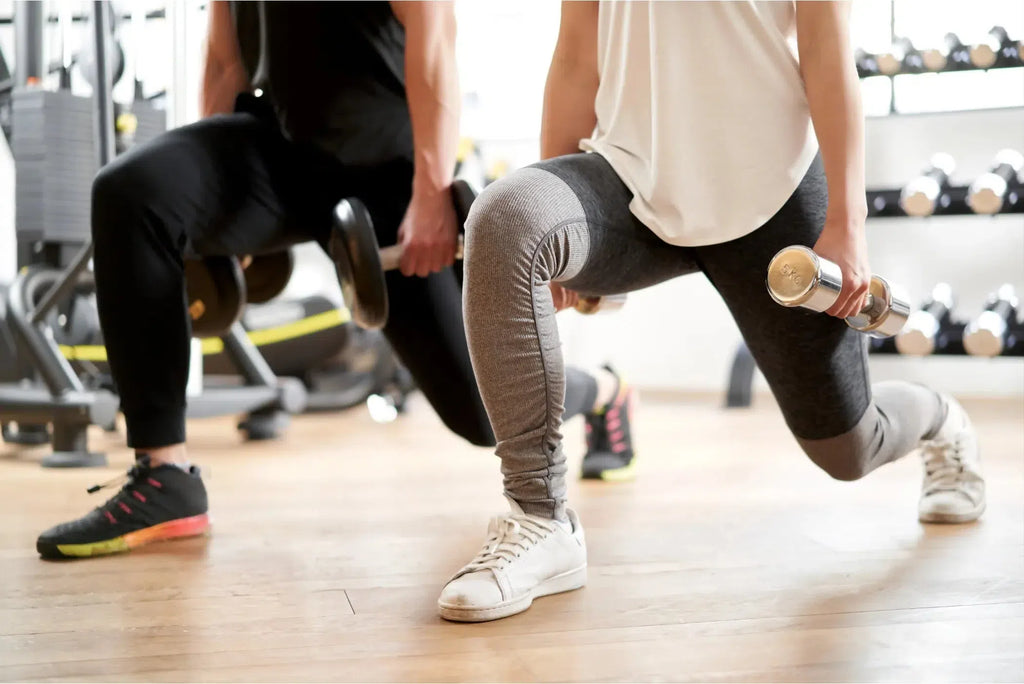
[572, 220]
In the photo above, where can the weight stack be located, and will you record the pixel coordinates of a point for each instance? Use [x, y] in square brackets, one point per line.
[53, 142]
[152, 121]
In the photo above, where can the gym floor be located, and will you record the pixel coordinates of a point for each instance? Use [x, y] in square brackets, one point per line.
[730, 558]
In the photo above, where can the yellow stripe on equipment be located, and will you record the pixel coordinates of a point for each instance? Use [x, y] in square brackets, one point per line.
[214, 345]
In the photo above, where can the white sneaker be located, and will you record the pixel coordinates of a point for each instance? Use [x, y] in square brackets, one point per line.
[953, 489]
[525, 557]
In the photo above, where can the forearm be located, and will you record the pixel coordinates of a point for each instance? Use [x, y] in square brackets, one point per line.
[221, 84]
[224, 75]
[432, 87]
[833, 94]
[568, 115]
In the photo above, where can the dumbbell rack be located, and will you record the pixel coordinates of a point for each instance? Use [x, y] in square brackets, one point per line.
[930, 125]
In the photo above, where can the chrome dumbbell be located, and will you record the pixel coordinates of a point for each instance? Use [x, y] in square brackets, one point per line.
[920, 197]
[990, 191]
[920, 335]
[987, 334]
[952, 55]
[799, 277]
[996, 47]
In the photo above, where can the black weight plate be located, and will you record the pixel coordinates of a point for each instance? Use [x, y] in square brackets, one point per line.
[268, 275]
[356, 256]
[215, 292]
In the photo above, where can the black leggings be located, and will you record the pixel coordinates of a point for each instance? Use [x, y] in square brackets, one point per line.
[234, 185]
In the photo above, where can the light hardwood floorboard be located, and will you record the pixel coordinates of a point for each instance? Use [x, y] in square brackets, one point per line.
[732, 557]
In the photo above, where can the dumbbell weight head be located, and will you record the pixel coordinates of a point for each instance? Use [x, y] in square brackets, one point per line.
[923, 326]
[988, 192]
[360, 262]
[797, 277]
[986, 334]
[986, 53]
[885, 313]
[267, 275]
[215, 293]
[934, 59]
[356, 255]
[920, 196]
[891, 63]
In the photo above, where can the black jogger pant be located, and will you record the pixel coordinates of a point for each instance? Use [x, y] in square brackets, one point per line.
[233, 184]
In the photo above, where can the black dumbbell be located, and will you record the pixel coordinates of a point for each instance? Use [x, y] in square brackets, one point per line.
[799, 277]
[267, 275]
[952, 55]
[360, 263]
[215, 293]
[922, 335]
[920, 197]
[991, 191]
[989, 334]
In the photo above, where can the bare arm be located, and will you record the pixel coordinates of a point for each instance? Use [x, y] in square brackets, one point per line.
[572, 82]
[428, 231]
[833, 93]
[224, 75]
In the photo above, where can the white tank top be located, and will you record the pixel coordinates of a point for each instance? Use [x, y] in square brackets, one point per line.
[701, 111]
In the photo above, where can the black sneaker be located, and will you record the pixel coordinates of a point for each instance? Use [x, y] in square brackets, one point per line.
[154, 504]
[610, 454]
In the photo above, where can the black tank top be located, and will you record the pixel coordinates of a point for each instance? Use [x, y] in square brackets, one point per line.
[335, 73]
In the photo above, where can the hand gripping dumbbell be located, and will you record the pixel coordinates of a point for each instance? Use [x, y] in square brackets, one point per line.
[920, 197]
[922, 335]
[797, 277]
[990, 191]
[988, 334]
[361, 264]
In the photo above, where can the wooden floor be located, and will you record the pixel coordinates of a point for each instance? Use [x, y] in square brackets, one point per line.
[730, 558]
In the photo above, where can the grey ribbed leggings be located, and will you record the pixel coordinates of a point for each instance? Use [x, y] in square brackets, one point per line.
[568, 220]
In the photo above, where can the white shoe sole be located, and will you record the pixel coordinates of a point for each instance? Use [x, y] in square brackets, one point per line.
[953, 518]
[567, 581]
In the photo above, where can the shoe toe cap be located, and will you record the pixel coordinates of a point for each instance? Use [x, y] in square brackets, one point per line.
[477, 589]
[948, 505]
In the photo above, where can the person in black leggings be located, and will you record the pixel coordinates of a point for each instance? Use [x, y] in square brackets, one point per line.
[304, 104]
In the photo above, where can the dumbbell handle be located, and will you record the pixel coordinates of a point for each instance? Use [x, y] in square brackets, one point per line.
[391, 257]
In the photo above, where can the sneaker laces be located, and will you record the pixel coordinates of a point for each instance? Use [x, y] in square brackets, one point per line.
[944, 463]
[509, 537]
[137, 472]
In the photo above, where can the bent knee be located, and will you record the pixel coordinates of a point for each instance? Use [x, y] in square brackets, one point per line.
[515, 215]
[847, 457]
[127, 188]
